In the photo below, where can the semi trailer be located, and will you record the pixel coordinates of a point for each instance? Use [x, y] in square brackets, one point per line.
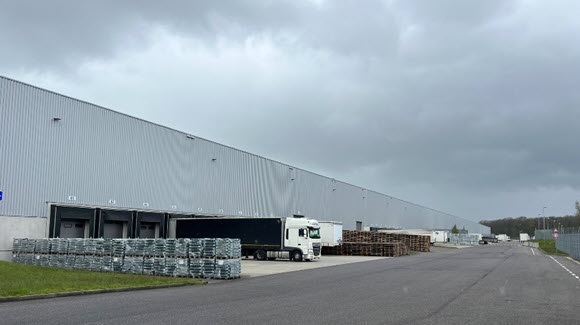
[295, 238]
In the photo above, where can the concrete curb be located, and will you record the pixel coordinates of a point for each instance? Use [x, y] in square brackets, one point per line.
[93, 292]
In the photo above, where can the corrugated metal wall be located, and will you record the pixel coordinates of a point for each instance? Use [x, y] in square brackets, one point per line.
[95, 156]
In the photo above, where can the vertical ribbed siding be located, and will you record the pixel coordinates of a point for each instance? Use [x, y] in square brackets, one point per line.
[100, 155]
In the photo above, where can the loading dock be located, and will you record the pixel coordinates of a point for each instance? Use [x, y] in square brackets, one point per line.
[150, 225]
[72, 222]
[115, 224]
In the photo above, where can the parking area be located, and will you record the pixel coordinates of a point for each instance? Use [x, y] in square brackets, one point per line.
[253, 268]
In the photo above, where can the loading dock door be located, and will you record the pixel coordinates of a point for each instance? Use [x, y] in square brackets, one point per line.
[113, 229]
[149, 230]
[71, 222]
[115, 224]
[72, 228]
[150, 225]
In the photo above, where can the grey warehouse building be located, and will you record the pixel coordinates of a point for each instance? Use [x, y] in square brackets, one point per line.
[73, 169]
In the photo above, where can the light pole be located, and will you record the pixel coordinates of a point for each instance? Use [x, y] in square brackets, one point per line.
[544, 216]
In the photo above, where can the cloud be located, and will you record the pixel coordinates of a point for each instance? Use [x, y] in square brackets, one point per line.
[464, 106]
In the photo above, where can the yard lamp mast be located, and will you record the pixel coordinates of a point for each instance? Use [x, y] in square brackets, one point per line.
[544, 216]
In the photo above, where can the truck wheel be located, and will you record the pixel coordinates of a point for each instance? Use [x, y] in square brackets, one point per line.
[260, 255]
[297, 256]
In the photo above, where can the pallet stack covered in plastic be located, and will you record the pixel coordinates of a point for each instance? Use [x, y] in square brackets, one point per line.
[218, 258]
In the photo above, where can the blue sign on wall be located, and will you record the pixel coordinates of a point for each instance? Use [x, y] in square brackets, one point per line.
[0, 195]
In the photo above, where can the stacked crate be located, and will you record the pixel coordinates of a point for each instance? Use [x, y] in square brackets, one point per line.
[181, 258]
[207, 257]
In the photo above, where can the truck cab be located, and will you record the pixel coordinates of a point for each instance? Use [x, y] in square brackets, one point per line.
[302, 239]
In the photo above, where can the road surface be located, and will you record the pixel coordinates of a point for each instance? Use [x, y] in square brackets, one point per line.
[499, 284]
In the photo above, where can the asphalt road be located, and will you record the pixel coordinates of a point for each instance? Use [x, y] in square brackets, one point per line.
[480, 285]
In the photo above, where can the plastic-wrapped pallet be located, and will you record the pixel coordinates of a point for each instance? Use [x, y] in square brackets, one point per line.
[228, 248]
[107, 263]
[196, 248]
[42, 246]
[170, 247]
[61, 261]
[30, 244]
[72, 246]
[107, 246]
[209, 247]
[96, 263]
[181, 267]
[133, 264]
[182, 247]
[159, 247]
[61, 246]
[53, 245]
[170, 266]
[99, 246]
[36, 260]
[90, 246]
[236, 248]
[17, 245]
[28, 259]
[80, 245]
[44, 260]
[196, 267]
[81, 262]
[135, 247]
[149, 247]
[228, 269]
[53, 260]
[159, 266]
[117, 264]
[119, 246]
[20, 258]
[221, 247]
[148, 265]
[69, 261]
[208, 267]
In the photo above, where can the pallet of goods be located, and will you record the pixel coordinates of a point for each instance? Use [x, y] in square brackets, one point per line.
[196, 257]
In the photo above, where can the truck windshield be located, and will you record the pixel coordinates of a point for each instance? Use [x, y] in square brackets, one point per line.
[314, 233]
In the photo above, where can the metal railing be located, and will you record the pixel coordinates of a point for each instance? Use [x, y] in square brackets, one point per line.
[568, 241]
[543, 234]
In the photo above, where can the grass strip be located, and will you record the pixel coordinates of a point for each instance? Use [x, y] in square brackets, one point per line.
[23, 280]
[548, 246]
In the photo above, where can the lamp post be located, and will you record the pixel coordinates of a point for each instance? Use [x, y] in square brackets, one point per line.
[544, 216]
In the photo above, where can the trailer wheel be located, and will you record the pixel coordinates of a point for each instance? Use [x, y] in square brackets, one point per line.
[260, 255]
[297, 256]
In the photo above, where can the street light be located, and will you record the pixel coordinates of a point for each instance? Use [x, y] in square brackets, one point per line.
[544, 216]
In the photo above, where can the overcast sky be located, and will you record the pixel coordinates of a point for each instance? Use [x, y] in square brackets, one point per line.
[469, 107]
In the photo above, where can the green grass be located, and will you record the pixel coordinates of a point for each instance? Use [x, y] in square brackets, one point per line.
[413, 253]
[548, 246]
[22, 280]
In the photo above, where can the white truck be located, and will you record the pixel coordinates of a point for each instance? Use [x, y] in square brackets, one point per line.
[439, 236]
[502, 237]
[524, 237]
[330, 233]
[295, 238]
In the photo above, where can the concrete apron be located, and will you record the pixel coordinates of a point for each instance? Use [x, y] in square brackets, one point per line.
[253, 268]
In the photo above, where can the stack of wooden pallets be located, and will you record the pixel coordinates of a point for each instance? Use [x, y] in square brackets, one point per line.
[417, 243]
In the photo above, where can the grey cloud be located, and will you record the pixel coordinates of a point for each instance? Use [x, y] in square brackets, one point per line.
[447, 103]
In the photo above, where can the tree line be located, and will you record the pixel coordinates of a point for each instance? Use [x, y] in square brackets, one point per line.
[514, 226]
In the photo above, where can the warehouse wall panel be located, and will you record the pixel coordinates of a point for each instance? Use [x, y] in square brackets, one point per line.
[61, 150]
